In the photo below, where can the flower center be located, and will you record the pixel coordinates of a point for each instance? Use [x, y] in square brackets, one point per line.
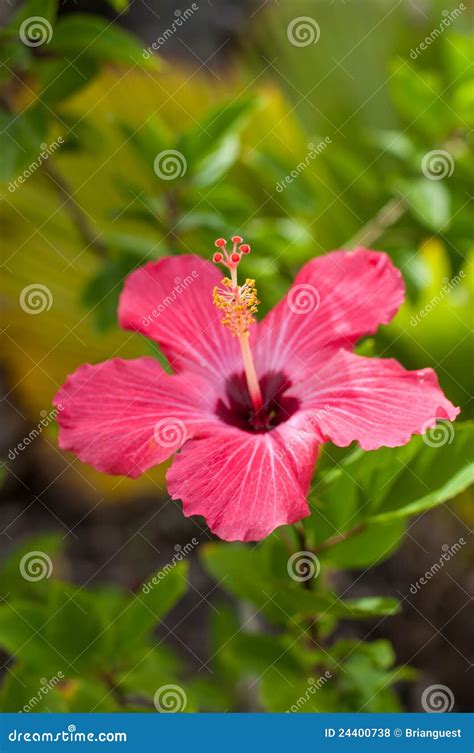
[239, 304]
[238, 410]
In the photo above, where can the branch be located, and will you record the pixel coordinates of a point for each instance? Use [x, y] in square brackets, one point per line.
[387, 216]
[76, 213]
[340, 537]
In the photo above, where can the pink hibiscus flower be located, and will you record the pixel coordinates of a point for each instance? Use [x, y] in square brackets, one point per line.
[249, 403]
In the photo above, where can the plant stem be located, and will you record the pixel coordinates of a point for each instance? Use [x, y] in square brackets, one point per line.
[387, 216]
[76, 213]
[338, 538]
[308, 585]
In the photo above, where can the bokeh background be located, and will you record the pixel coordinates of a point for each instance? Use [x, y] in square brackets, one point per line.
[379, 128]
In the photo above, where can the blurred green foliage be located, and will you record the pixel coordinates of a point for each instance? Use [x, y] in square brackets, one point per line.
[100, 644]
[103, 204]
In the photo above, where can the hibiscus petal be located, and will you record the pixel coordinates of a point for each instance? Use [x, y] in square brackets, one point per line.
[334, 300]
[244, 484]
[374, 401]
[171, 302]
[122, 417]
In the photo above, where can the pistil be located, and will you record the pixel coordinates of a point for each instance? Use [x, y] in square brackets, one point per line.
[239, 303]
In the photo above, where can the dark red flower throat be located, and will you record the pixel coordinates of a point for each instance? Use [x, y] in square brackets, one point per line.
[239, 411]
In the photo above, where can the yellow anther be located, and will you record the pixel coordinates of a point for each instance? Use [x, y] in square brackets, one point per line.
[238, 302]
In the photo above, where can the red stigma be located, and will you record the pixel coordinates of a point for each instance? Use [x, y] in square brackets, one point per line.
[230, 258]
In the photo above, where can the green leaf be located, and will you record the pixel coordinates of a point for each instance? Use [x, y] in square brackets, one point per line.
[383, 487]
[27, 691]
[134, 245]
[289, 690]
[212, 146]
[102, 291]
[23, 635]
[139, 615]
[43, 8]
[22, 137]
[395, 143]
[60, 79]
[428, 475]
[98, 39]
[418, 95]
[87, 694]
[149, 140]
[81, 647]
[39, 556]
[252, 575]
[144, 671]
[429, 201]
[352, 676]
